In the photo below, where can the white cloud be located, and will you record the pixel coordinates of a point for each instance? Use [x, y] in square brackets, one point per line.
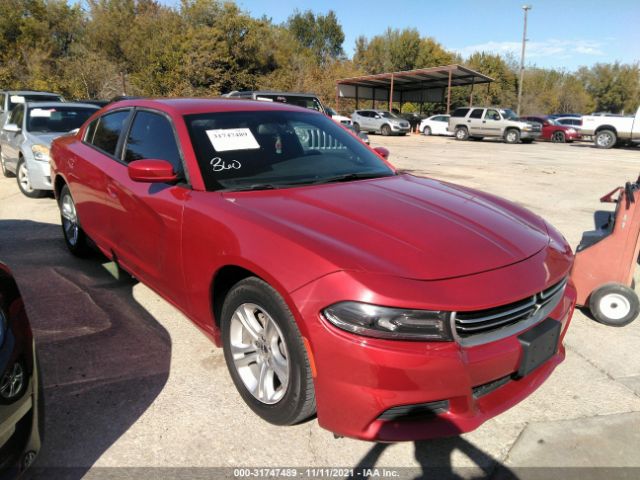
[535, 49]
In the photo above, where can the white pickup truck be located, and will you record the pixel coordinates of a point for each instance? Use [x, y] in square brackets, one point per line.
[607, 132]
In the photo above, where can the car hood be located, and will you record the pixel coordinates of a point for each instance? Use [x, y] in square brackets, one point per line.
[44, 138]
[404, 226]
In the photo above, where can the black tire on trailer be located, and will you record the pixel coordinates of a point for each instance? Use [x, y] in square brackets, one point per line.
[614, 304]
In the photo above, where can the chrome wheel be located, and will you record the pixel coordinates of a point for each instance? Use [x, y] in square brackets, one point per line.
[23, 178]
[615, 306]
[69, 219]
[259, 353]
[12, 382]
[511, 137]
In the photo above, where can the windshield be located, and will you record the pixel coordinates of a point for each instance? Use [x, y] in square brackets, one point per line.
[331, 111]
[57, 119]
[276, 149]
[509, 114]
[18, 99]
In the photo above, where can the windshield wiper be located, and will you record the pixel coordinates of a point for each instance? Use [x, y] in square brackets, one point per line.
[256, 186]
[347, 177]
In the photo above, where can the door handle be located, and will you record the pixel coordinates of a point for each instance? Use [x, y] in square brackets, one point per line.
[484, 121]
[468, 121]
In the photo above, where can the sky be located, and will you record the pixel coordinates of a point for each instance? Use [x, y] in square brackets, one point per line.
[561, 33]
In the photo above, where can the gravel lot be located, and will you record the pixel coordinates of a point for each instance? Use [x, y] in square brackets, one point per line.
[129, 382]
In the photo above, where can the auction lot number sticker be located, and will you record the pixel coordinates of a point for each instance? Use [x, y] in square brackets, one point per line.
[225, 139]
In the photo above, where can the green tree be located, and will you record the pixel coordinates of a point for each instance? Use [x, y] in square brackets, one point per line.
[321, 34]
[614, 87]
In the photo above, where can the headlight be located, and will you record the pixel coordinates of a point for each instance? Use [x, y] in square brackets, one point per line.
[391, 323]
[571, 130]
[40, 152]
[527, 128]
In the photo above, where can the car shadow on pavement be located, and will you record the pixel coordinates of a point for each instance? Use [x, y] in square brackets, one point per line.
[104, 358]
[435, 460]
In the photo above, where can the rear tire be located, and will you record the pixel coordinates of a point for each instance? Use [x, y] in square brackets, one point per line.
[24, 183]
[74, 237]
[605, 139]
[263, 349]
[614, 304]
[512, 136]
[386, 130]
[462, 133]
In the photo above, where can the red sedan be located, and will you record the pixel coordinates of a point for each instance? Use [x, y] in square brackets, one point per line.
[394, 307]
[554, 132]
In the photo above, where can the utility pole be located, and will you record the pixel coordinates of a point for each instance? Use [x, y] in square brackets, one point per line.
[526, 9]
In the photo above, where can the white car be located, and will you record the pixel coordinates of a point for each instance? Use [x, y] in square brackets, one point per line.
[435, 125]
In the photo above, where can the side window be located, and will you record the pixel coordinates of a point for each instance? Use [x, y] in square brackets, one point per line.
[108, 130]
[476, 113]
[151, 137]
[17, 115]
[460, 112]
[491, 114]
[91, 130]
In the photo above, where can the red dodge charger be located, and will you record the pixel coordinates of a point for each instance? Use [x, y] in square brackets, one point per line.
[394, 307]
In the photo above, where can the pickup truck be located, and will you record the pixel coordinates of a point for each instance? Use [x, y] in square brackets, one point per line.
[608, 132]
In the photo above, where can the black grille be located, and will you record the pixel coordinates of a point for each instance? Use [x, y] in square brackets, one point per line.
[483, 321]
[415, 411]
[489, 387]
[404, 124]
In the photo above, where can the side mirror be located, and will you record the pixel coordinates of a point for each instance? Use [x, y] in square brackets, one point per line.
[11, 127]
[152, 171]
[383, 152]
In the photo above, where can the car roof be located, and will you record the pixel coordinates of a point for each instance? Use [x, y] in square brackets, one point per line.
[61, 104]
[188, 106]
[269, 92]
[30, 92]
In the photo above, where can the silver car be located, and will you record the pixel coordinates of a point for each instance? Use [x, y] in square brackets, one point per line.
[379, 121]
[9, 99]
[26, 138]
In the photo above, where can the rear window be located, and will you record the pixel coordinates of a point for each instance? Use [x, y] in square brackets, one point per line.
[106, 131]
[477, 113]
[18, 99]
[460, 112]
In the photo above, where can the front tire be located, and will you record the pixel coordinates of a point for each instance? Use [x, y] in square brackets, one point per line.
[605, 139]
[614, 304]
[512, 136]
[426, 130]
[74, 237]
[558, 137]
[386, 130]
[265, 354]
[356, 127]
[462, 133]
[24, 183]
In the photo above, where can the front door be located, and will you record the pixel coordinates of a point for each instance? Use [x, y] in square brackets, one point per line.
[147, 223]
[491, 123]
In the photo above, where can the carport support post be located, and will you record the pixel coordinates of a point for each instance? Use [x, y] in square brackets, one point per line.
[449, 94]
[391, 94]
[357, 98]
[473, 80]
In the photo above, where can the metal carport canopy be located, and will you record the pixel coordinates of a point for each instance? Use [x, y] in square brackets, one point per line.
[421, 85]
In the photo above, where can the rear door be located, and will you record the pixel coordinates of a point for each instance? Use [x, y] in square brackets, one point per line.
[88, 168]
[147, 217]
[474, 121]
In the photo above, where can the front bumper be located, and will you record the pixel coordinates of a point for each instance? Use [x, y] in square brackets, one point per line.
[529, 135]
[359, 378]
[399, 129]
[39, 174]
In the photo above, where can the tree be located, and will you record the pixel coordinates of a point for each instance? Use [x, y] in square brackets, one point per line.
[321, 34]
[614, 87]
